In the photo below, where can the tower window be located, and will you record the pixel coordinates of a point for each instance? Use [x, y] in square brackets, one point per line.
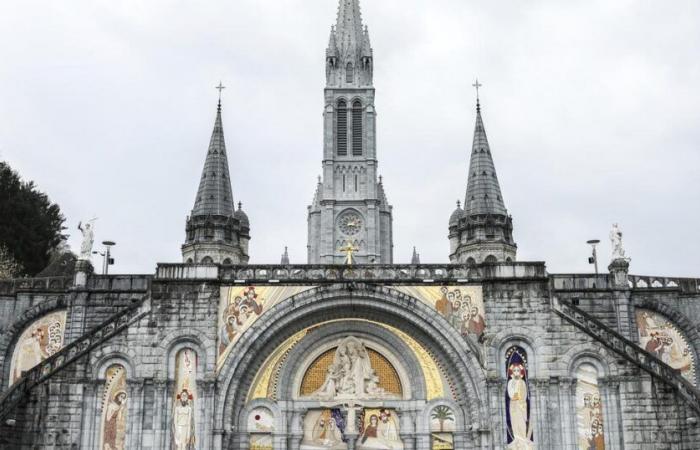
[341, 130]
[349, 73]
[355, 183]
[357, 129]
[343, 183]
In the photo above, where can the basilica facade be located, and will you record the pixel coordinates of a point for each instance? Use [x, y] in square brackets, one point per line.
[351, 350]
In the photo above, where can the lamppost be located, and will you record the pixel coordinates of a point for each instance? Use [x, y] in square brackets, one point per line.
[107, 260]
[594, 259]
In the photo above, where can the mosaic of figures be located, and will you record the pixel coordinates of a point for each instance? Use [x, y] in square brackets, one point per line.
[351, 374]
[240, 307]
[324, 430]
[589, 410]
[462, 306]
[662, 338]
[41, 339]
[442, 428]
[379, 429]
[114, 409]
[261, 425]
[183, 433]
[519, 426]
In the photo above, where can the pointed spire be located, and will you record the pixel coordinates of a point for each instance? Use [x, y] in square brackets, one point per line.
[214, 196]
[483, 190]
[285, 257]
[415, 259]
[349, 32]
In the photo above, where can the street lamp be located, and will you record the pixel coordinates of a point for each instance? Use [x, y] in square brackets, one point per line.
[107, 260]
[594, 259]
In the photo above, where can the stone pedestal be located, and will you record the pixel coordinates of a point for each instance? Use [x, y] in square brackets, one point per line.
[83, 270]
[619, 271]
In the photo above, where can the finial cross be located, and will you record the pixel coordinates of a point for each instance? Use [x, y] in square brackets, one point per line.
[477, 85]
[220, 88]
[349, 250]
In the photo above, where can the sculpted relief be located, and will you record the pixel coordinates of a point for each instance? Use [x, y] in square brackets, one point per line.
[41, 339]
[350, 375]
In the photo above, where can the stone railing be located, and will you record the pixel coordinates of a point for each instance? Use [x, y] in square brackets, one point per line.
[685, 285]
[386, 273]
[47, 284]
[628, 350]
[68, 354]
[577, 282]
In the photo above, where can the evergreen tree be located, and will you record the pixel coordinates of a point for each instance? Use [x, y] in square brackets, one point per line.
[30, 225]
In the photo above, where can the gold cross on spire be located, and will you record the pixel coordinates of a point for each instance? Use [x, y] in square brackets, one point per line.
[220, 88]
[348, 249]
[477, 85]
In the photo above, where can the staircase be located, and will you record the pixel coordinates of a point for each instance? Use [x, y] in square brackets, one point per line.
[628, 350]
[117, 323]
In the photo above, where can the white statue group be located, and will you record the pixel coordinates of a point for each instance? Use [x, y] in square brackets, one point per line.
[618, 252]
[351, 375]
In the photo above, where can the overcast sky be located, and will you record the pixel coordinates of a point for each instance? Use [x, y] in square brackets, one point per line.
[592, 109]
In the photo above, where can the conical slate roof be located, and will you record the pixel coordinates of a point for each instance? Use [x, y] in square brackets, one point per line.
[483, 191]
[348, 29]
[214, 196]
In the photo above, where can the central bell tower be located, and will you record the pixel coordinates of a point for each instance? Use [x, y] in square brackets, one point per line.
[349, 205]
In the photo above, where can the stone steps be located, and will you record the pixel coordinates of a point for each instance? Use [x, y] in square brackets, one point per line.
[628, 350]
[67, 355]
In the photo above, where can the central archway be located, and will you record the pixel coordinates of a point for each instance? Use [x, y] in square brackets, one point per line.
[367, 311]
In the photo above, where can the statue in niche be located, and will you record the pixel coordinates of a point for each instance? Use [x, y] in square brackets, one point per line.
[350, 375]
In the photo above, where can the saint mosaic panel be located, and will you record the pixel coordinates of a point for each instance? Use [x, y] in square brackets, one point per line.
[184, 401]
[663, 339]
[519, 426]
[115, 404]
[589, 410]
[324, 429]
[261, 425]
[379, 429]
[41, 339]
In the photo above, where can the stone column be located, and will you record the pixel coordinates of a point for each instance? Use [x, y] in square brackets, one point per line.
[134, 418]
[609, 388]
[496, 392]
[295, 429]
[205, 411]
[160, 412]
[567, 398]
[619, 271]
[351, 441]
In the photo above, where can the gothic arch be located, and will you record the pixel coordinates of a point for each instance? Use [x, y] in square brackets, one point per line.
[203, 345]
[520, 337]
[349, 301]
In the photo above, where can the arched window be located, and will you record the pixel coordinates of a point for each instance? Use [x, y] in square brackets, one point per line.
[341, 128]
[349, 73]
[589, 408]
[490, 259]
[207, 260]
[357, 128]
[519, 427]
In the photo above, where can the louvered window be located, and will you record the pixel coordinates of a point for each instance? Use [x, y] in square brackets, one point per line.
[357, 129]
[341, 130]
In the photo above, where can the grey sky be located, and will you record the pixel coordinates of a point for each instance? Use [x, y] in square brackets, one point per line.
[591, 108]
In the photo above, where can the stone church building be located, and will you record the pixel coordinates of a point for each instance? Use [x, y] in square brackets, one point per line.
[350, 351]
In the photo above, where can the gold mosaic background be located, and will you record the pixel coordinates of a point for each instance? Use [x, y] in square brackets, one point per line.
[316, 374]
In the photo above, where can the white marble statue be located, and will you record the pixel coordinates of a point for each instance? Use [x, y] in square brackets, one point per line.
[616, 241]
[350, 375]
[88, 232]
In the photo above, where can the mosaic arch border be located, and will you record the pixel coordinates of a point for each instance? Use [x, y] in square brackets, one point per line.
[337, 302]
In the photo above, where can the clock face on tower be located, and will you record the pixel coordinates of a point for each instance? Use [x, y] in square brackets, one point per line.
[350, 223]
